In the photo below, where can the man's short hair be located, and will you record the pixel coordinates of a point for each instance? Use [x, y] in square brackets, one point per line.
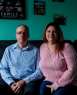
[26, 28]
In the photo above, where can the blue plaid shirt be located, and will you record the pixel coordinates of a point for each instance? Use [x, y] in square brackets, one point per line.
[19, 63]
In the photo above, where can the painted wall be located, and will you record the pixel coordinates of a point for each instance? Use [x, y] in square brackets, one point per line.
[37, 23]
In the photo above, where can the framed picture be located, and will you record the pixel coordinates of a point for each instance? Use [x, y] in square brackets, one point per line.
[59, 19]
[12, 9]
[58, 0]
[39, 7]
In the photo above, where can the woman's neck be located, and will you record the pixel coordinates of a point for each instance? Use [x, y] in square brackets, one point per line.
[52, 47]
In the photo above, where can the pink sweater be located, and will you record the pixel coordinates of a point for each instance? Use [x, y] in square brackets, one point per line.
[59, 68]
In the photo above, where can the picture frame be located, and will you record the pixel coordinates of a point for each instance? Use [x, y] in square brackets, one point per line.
[59, 19]
[58, 0]
[12, 9]
[39, 7]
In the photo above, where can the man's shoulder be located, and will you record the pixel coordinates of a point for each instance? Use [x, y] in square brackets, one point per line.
[12, 46]
[33, 48]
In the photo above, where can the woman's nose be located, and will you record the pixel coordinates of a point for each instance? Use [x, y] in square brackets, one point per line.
[52, 33]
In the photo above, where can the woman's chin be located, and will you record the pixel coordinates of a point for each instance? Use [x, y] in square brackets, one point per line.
[52, 41]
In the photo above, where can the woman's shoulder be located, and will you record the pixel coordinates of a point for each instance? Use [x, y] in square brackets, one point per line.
[68, 45]
[43, 50]
[43, 45]
[68, 48]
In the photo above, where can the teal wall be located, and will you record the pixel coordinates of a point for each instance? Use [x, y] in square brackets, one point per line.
[37, 23]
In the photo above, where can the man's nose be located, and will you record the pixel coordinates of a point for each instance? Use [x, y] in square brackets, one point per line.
[22, 33]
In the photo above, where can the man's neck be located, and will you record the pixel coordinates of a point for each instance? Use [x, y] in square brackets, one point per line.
[22, 45]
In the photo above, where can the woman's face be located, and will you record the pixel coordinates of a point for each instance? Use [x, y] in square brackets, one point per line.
[51, 34]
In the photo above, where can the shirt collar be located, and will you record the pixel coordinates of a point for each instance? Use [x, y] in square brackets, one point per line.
[15, 46]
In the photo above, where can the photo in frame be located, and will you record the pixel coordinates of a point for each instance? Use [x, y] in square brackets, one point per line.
[39, 7]
[58, 0]
[59, 19]
[12, 9]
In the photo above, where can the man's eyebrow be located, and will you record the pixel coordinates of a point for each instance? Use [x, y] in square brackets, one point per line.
[20, 31]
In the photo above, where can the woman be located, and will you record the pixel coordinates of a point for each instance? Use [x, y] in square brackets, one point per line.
[58, 63]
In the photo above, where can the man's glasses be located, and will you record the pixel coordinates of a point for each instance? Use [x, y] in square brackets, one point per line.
[19, 33]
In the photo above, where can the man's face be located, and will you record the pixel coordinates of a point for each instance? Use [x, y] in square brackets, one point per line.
[21, 35]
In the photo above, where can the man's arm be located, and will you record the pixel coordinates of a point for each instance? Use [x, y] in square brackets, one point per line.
[37, 74]
[4, 68]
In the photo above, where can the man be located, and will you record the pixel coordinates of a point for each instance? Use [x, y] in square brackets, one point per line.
[18, 65]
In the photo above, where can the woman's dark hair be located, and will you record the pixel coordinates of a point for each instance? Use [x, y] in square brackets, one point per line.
[60, 40]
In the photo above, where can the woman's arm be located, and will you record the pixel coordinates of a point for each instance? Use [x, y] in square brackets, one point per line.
[71, 61]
